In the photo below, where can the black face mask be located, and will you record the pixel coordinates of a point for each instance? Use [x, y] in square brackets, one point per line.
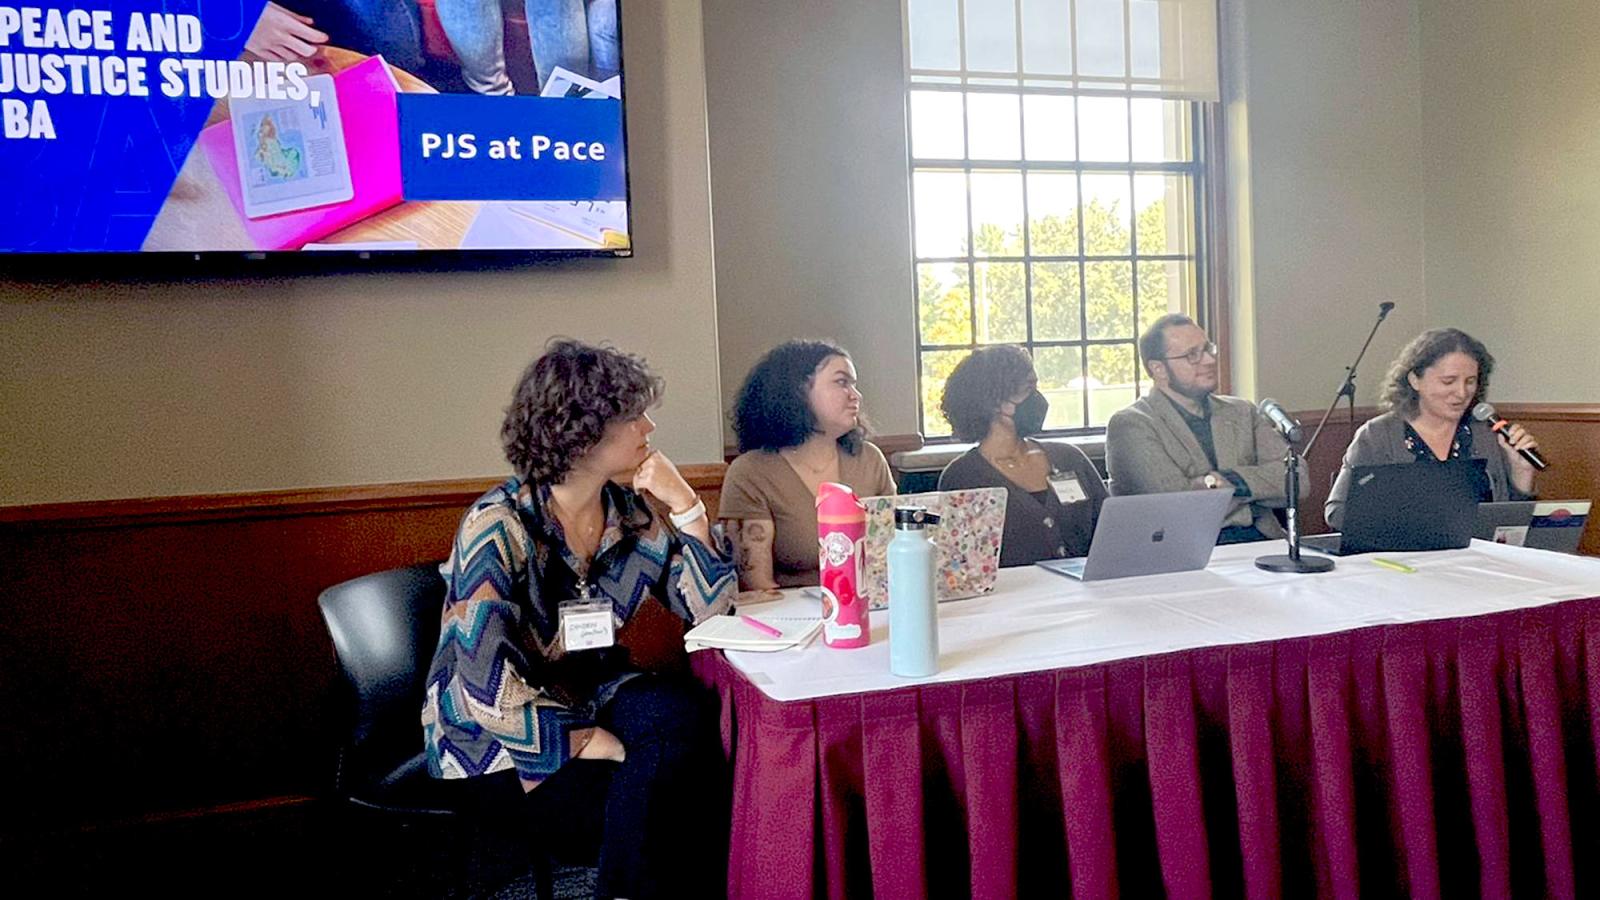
[1030, 413]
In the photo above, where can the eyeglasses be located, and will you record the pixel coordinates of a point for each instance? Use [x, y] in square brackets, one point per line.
[1193, 356]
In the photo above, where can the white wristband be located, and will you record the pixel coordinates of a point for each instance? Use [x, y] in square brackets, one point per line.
[697, 511]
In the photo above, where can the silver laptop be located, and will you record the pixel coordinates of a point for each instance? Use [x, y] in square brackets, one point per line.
[1150, 534]
[1541, 524]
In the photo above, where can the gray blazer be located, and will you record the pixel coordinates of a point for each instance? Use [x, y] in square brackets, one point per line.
[1382, 442]
[1150, 450]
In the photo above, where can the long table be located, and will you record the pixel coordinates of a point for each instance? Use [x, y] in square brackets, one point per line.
[1230, 731]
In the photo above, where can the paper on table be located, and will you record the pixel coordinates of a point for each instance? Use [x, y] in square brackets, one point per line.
[603, 222]
[550, 225]
[566, 83]
[796, 614]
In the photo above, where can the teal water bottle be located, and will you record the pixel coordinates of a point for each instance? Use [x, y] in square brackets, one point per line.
[913, 620]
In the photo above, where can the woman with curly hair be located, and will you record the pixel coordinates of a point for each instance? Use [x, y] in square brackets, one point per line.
[799, 423]
[1053, 493]
[1428, 397]
[531, 699]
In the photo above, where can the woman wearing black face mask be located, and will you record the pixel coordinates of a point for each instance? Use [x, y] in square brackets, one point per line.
[1053, 493]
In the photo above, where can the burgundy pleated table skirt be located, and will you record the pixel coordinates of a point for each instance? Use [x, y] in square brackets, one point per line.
[1455, 757]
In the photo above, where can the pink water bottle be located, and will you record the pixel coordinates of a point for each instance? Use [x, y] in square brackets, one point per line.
[841, 532]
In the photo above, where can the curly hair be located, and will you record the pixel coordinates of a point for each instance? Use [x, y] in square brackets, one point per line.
[1424, 350]
[987, 378]
[564, 401]
[773, 410]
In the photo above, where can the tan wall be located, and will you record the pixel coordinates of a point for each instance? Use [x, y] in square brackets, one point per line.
[1329, 223]
[1512, 138]
[1353, 126]
[809, 187]
[809, 183]
[123, 391]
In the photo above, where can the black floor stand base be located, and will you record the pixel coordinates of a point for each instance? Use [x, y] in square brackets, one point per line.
[1304, 564]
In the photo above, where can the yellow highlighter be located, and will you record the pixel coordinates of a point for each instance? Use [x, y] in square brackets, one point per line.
[1391, 564]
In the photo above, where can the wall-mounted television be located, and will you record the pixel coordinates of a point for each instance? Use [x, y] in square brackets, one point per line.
[253, 129]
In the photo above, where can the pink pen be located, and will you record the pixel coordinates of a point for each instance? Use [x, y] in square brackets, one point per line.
[761, 626]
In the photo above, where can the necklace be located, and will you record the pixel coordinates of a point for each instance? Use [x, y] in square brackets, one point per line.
[1010, 461]
[794, 457]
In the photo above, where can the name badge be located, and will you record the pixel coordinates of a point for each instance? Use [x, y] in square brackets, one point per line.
[587, 625]
[1067, 488]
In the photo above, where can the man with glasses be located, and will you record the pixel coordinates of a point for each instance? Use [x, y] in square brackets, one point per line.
[1183, 437]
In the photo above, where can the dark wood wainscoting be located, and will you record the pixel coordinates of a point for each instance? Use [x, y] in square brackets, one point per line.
[165, 655]
[1569, 436]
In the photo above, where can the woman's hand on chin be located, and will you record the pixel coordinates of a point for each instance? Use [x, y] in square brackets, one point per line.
[659, 478]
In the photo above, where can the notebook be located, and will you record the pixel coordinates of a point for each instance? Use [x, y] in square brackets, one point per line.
[967, 540]
[1149, 534]
[365, 97]
[796, 615]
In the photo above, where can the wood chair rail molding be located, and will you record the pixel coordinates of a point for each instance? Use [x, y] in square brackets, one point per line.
[458, 492]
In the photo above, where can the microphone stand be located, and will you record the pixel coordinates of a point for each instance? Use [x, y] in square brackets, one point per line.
[1347, 390]
[1293, 561]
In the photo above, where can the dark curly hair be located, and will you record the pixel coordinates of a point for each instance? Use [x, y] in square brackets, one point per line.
[1424, 350]
[564, 401]
[773, 412]
[987, 378]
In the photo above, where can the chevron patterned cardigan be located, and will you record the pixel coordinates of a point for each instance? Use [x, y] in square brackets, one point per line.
[502, 692]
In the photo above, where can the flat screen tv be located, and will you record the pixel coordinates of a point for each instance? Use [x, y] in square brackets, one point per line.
[270, 130]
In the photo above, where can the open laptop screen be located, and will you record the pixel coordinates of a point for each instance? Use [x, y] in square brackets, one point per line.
[1412, 506]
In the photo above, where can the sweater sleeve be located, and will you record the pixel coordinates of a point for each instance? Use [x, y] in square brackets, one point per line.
[489, 705]
[702, 580]
[1364, 450]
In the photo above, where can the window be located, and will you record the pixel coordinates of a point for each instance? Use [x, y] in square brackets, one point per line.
[1056, 185]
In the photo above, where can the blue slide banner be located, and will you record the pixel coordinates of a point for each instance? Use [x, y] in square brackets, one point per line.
[99, 181]
[511, 148]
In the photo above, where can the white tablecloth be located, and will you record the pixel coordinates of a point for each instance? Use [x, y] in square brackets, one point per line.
[1035, 620]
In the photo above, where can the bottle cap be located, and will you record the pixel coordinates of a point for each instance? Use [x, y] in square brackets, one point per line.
[913, 517]
[838, 505]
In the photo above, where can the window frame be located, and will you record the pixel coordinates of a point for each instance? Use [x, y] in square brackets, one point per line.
[1203, 168]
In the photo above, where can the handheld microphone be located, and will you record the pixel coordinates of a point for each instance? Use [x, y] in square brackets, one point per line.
[1280, 419]
[1484, 412]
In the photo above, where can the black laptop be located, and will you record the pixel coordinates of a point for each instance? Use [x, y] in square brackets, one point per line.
[1407, 506]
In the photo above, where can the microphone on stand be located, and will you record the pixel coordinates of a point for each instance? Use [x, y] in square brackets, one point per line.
[1285, 423]
[1292, 561]
[1280, 419]
[1484, 412]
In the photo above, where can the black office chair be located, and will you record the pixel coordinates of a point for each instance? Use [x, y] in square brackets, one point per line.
[385, 627]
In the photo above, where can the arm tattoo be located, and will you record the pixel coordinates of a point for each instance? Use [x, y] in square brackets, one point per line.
[754, 542]
[752, 545]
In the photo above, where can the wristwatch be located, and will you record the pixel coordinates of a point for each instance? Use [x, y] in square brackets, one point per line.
[1212, 481]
